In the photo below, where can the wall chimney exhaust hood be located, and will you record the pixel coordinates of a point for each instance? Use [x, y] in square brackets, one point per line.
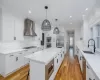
[29, 28]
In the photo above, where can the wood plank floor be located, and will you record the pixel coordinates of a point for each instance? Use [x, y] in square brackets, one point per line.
[69, 70]
[20, 74]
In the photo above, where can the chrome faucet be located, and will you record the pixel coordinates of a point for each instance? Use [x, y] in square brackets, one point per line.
[92, 45]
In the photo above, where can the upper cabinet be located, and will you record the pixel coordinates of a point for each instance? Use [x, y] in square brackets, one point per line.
[11, 28]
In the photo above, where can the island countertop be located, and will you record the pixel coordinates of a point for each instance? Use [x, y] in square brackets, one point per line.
[44, 56]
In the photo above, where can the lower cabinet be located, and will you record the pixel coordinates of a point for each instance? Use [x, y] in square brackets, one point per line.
[90, 75]
[57, 62]
[12, 62]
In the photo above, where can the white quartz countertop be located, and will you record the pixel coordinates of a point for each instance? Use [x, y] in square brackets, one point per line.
[92, 59]
[8, 51]
[44, 56]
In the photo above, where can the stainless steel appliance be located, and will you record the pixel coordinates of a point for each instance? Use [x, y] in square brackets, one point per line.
[60, 41]
[49, 69]
[48, 42]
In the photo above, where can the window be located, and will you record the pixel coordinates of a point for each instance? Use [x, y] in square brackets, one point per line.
[98, 36]
[95, 34]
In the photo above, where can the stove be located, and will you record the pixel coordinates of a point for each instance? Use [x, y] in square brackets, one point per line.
[30, 47]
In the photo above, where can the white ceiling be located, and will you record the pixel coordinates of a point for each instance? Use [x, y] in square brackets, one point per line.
[60, 9]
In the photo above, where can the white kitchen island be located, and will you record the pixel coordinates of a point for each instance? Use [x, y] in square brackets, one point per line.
[45, 64]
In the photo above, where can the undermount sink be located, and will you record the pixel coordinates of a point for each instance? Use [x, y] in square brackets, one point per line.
[88, 52]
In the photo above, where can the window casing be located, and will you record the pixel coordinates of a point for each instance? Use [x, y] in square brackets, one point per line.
[95, 34]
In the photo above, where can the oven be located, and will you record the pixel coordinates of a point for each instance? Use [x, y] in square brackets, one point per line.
[49, 69]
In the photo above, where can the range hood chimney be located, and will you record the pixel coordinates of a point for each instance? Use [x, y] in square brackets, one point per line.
[29, 28]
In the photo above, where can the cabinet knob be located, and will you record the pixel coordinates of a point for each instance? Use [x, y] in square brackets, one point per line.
[90, 79]
[88, 67]
[57, 60]
[20, 53]
[16, 58]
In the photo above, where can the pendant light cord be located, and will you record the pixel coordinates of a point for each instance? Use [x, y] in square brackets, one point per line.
[46, 7]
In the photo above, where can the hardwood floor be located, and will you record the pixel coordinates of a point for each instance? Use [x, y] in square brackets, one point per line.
[21, 74]
[69, 70]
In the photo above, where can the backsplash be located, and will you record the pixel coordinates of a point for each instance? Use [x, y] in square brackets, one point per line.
[18, 44]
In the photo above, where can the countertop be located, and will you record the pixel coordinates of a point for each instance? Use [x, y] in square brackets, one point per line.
[44, 56]
[8, 51]
[92, 59]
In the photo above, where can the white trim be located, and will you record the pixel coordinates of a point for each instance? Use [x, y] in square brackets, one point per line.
[98, 49]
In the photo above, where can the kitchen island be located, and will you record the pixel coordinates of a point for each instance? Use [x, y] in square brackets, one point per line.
[45, 64]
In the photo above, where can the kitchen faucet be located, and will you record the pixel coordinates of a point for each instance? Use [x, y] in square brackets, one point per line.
[92, 45]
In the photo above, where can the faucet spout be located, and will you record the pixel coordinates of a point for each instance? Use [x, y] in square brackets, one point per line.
[92, 45]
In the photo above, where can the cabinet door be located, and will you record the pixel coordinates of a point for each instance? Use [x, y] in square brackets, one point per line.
[26, 53]
[8, 27]
[10, 64]
[21, 59]
[19, 27]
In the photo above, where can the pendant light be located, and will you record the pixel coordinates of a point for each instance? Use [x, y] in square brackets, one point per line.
[56, 30]
[46, 25]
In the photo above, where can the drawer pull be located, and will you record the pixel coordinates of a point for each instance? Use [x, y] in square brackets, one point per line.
[88, 67]
[57, 60]
[11, 55]
[16, 58]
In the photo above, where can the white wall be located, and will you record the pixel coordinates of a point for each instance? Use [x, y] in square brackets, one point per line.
[0, 23]
[77, 34]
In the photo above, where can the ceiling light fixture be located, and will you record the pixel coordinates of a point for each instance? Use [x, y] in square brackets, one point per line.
[86, 9]
[56, 30]
[70, 16]
[70, 23]
[46, 25]
[83, 15]
[29, 12]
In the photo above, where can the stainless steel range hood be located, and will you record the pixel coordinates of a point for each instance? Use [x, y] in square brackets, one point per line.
[29, 28]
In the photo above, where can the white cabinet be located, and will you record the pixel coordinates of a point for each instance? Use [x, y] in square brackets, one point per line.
[11, 62]
[90, 75]
[10, 26]
[19, 57]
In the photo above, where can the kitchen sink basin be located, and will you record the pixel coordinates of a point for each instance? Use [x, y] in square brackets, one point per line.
[88, 52]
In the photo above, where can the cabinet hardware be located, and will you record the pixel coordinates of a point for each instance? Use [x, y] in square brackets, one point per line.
[57, 60]
[61, 55]
[11, 55]
[16, 58]
[88, 67]
[90, 79]
[80, 58]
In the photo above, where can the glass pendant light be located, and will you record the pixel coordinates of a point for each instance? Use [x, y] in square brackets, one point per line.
[56, 30]
[46, 25]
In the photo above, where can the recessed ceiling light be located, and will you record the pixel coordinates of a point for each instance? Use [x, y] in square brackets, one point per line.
[70, 23]
[70, 16]
[86, 9]
[83, 15]
[29, 12]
